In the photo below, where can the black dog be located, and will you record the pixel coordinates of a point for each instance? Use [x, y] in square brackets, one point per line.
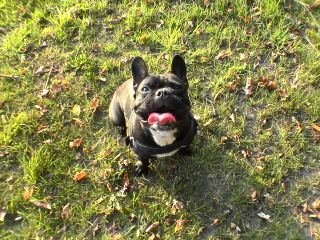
[153, 112]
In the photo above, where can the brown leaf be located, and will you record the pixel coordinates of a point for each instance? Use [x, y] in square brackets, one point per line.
[206, 3]
[203, 59]
[95, 104]
[235, 75]
[125, 180]
[108, 185]
[154, 237]
[3, 214]
[180, 225]
[42, 203]
[42, 129]
[107, 153]
[315, 4]
[254, 195]
[232, 87]
[171, 166]
[249, 88]
[44, 93]
[233, 117]
[86, 150]
[80, 176]
[133, 217]
[315, 216]
[28, 191]
[216, 222]
[247, 19]
[271, 84]
[283, 95]
[315, 127]
[56, 88]
[76, 143]
[153, 227]
[299, 126]
[177, 206]
[316, 205]
[224, 139]
[316, 132]
[222, 55]
[65, 211]
[243, 57]
[245, 153]
[78, 121]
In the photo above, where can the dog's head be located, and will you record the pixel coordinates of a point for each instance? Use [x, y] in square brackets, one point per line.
[161, 101]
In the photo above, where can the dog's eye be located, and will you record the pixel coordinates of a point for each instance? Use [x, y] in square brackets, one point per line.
[145, 89]
[176, 86]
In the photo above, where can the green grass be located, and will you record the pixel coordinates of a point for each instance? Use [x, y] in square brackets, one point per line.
[86, 49]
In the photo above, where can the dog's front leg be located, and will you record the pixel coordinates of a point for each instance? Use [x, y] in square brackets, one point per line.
[142, 165]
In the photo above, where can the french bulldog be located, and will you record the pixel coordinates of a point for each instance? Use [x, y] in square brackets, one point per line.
[153, 112]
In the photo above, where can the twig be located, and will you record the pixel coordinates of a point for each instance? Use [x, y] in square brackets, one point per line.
[9, 76]
[48, 77]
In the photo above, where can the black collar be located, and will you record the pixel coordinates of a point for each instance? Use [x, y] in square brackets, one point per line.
[141, 149]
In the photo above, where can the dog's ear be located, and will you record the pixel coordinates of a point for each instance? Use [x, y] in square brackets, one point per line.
[178, 67]
[139, 71]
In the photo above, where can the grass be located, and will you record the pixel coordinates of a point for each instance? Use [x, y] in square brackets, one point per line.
[261, 144]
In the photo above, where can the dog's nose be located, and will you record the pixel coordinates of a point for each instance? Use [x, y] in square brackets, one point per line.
[162, 93]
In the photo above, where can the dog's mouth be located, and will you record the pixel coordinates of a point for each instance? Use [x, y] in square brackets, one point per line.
[162, 117]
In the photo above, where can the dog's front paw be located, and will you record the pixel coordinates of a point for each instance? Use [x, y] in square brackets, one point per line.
[141, 168]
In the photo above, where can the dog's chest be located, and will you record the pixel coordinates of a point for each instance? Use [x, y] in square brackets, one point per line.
[164, 137]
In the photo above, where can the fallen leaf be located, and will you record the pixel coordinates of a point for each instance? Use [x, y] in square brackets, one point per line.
[143, 38]
[42, 108]
[306, 207]
[95, 104]
[125, 180]
[271, 84]
[154, 237]
[80, 176]
[315, 127]
[222, 55]
[171, 166]
[42, 203]
[208, 122]
[283, 95]
[28, 191]
[249, 88]
[243, 57]
[22, 10]
[254, 196]
[299, 126]
[316, 132]
[206, 3]
[261, 158]
[56, 88]
[224, 139]
[233, 117]
[203, 59]
[76, 143]
[76, 110]
[44, 93]
[42, 129]
[247, 19]
[3, 214]
[232, 87]
[108, 186]
[229, 10]
[86, 150]
[245, 153]
[48, 141]
[315, 216]
[180, 225]
[65, 211]
[236, 137]
[107, 153]
[153, 227]
[40, 70]
[265, 216]
[78, 121]
[177, 206]
[316, 204]
[235, 75]
[316, 4]
[216, 222]
[133, 217]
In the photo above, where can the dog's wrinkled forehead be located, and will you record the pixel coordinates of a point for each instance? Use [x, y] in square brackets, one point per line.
[158, 81]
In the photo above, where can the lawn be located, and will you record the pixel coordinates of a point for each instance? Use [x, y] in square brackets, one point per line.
[254, 75]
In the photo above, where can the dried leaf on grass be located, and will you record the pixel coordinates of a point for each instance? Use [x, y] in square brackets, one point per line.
[177, 206]
[65, 211]
[42, 204]
[250, 86]
[42, 129]
[223, 55]
[153, 227]
[78, 121]
[180, 225]
[28, 191]
[76, 143]
[76, 110]
[3, 214]
[95, 104]
[80, 176]
[232, 87]
[216, 222]
[265, 216]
